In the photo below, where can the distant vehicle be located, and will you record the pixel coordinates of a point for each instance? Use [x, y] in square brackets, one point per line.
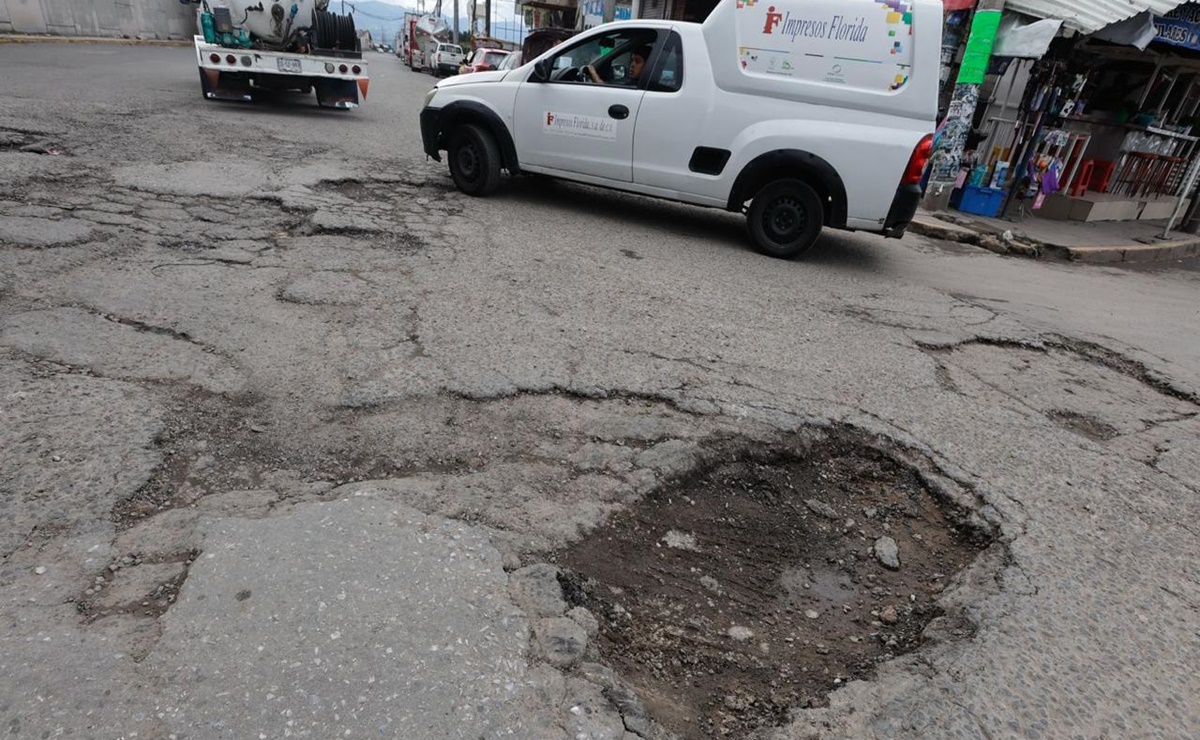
[421, 32]
[484, 60]
[543, 40]
[444, 59]
[512, 61]
[241, 51]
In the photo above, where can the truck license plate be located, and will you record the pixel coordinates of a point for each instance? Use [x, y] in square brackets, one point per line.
[289, 65]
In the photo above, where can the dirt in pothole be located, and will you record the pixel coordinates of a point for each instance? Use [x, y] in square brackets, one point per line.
[753, 588]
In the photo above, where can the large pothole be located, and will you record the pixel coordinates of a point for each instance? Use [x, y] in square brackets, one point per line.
[758, 585]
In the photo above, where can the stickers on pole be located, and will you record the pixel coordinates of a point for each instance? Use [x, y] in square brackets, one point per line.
[854, 43]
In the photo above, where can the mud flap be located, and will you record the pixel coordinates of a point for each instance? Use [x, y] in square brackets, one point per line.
[336, 93]
[218, 86]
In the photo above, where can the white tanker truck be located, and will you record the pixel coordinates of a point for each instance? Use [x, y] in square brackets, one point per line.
[247, 46]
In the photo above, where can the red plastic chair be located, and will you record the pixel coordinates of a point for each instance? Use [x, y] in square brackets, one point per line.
[1084, 178]
[1102, 174]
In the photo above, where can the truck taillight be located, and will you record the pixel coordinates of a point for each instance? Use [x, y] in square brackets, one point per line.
[215, 58]
[230, 59]
[356, 69]
[342, 69]
[918, 160]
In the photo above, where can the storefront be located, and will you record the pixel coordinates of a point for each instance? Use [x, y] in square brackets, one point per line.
[539, 14]
[676, 10]
[1096, 129]
[591, 13]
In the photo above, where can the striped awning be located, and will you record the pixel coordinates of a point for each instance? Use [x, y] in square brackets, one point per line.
[1089, 16]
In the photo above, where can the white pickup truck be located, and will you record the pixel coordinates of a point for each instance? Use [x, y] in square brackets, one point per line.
[800, 114]
[445, 59]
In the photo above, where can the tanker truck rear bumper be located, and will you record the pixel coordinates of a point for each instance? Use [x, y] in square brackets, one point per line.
[237, 74]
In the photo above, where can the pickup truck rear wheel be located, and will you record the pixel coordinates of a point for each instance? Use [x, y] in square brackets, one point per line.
[474, 160]
[785, 219]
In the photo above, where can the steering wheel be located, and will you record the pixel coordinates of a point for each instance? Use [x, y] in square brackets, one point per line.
[582, 74]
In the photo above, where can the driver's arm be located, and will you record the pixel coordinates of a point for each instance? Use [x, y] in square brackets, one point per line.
[594, 75]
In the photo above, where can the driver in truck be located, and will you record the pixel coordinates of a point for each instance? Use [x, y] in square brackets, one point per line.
[637, 62]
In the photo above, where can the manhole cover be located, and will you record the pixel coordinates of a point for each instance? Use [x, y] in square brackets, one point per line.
[758, 585]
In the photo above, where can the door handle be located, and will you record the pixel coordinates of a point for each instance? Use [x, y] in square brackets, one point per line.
[618, 112]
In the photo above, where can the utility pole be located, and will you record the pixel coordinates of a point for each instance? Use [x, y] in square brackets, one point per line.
[487, 18]
[456, 21]
[610, 10]
[947, 156]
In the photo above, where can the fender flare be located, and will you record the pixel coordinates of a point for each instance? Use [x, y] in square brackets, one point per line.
[794, 163]
[469, 111]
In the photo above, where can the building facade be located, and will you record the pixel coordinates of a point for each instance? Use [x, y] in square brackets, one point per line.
[142, 19]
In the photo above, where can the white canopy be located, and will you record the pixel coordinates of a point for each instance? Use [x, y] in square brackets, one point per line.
[1089, 16]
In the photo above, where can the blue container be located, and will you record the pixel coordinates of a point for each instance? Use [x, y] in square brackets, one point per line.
[981, 201]
[208, 28]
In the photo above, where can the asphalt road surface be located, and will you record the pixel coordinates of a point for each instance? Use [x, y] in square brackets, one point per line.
[287, 424]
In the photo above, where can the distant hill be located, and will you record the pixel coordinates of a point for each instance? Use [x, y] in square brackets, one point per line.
[384, 21]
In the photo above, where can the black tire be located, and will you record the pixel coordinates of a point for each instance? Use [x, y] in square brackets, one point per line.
[785, 219]
[474, 160]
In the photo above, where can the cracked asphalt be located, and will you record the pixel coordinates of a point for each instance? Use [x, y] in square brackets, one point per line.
[285, 420]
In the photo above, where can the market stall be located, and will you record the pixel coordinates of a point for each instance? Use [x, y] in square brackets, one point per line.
[1094, 129]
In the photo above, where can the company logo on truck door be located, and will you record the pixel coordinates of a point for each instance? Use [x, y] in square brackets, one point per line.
[584, 127]
[868, 41]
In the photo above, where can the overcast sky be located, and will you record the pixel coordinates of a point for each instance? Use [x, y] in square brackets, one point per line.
[501, 9]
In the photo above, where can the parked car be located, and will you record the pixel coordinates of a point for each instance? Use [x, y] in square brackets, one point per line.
[540, 41]
[445, 59]
[512, 61]
[484, 60]
[799, 114]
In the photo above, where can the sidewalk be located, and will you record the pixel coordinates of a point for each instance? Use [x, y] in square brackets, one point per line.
[1078, 241]
[30, 38]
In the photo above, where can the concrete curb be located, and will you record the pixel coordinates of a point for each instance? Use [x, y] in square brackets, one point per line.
[934, 228]
[22, 38]
[1176, 250]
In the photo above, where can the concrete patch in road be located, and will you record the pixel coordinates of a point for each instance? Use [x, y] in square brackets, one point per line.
[325, 288]
[41, 233]
[353, 614]
[133, 352]
[72, 447]
[1079, 392]
[224, 179]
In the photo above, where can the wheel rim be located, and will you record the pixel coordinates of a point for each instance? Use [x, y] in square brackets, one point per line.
[468, 162]
[785, 219]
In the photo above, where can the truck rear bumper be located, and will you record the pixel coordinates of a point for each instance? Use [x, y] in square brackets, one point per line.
[431, 132]
[231, 74]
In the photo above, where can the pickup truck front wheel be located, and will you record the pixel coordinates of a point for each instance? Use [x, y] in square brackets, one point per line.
[474, 160]
[785, 219]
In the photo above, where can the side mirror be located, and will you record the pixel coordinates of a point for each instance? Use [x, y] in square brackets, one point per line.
[541, 71]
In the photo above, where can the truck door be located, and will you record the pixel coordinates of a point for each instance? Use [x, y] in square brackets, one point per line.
[571, 122]
[676, 161]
